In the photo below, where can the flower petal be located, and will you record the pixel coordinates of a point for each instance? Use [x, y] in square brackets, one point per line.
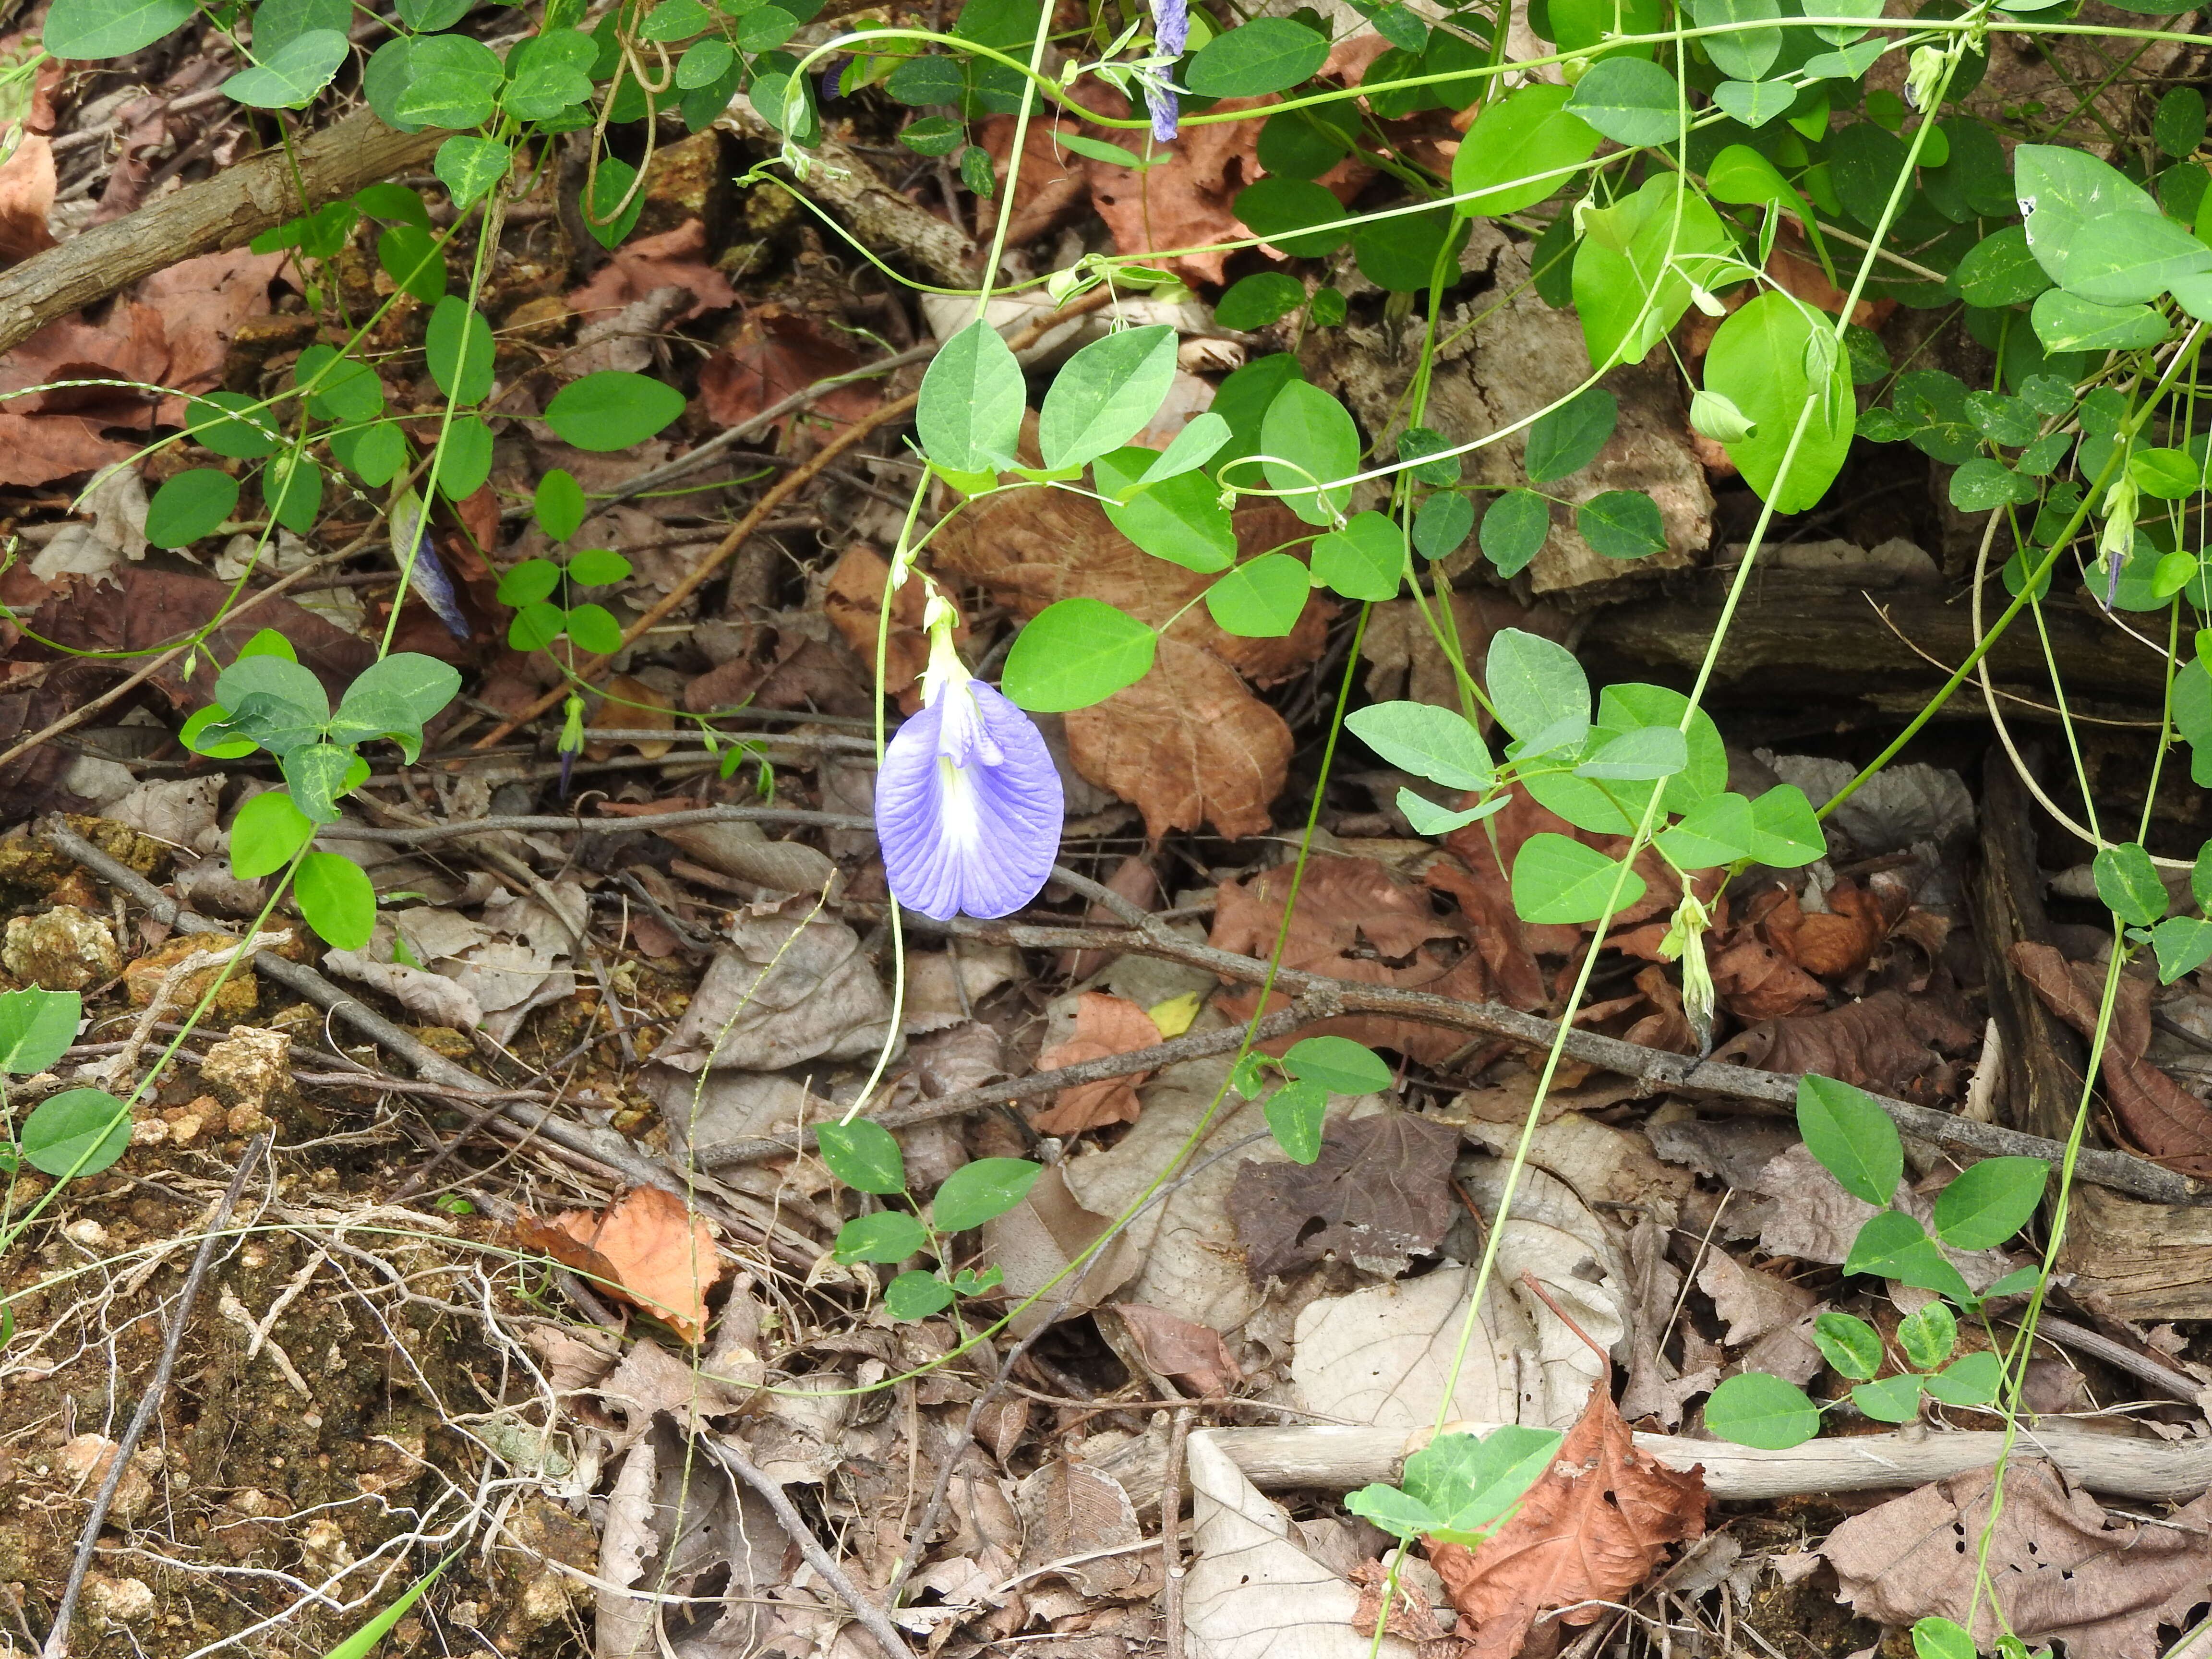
[978, 838]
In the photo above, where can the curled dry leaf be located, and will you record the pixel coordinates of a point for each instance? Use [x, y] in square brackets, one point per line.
[631, 705]
[2170, 1125]
[2061, 1568]
[675, 258]
[1894, 1043]
[1591, 1529]
[775, 353]
[1189, 1353]
[1103, 1025]
[1379, 1194]
[647, 1248]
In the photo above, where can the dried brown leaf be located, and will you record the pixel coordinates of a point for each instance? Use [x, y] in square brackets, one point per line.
[1104, 1025]
[631, 705]
[775, 353]
[648, 1248]
[1592, 1529]
[1379, 1194]
[852, 599]
[675, 258]
[26, 191]
[2061, 1568]
[1192, 1354]
[1892, 1042]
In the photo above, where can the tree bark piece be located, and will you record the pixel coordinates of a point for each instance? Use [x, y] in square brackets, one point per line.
[232, 208]
[1338, 1459]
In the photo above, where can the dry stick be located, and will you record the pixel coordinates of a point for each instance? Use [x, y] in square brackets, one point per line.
[232, 208]
[870, 1615]
[624, 1158]
[1170, 1535]
[58, 1637]
[797, 479]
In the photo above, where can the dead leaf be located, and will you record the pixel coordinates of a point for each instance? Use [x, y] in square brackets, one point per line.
[1890, 1042]
[1034, 1243]
[27, 192]
[795, 985]
[1380, 1192]
[631, 705]
[1411, 1618]
[1192, 1354]
[1052, 188]
[1752, 1304]
[1104, 1025]
[1068, 1509]
[1357, 920]
[2061, 1568]
[2170, 1125]
[648, 1248]
[673, 258]
[1592, 1529]
[774, 354]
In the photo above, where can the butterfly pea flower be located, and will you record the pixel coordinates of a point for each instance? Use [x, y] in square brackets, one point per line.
[968, 802]
[1171, 34]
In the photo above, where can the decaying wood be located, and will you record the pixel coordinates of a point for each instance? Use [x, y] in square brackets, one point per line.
[1813, 636]
[1328, 1458]
[2042, 1058]
[226, 211]
[2139, 1261]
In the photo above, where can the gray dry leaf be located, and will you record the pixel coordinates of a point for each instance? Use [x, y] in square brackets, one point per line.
[679, 1526]
[431, 998]
[1806, 1214]
[1380, 1191]
[1253, 1591]
[1380, 1356]
[1034, 1242]
[2064, 1570]
[793, 985]
[1895, 808]
[1069, 1510]
[1753, 1303]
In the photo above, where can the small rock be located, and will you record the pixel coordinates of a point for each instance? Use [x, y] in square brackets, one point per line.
[127, 1600]
[239, 993]
[149, 1132]
[63, 949]
[188, 1124]
[245, 1120]
[247, 1070]
[86, 1233]
[86, 1460]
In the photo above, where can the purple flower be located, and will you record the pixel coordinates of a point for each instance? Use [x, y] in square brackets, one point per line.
[1170, 27]
[968, 802]
[1161, 102]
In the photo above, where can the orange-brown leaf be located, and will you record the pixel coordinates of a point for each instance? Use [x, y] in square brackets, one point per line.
[1103, 1025]
[647, 1248]
[1592, 1529]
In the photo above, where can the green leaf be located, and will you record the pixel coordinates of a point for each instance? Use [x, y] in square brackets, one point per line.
[1180, 519]
[2000, 270]
[316, 773]
[885, 1236]
[1852, 1137]
[1927, 1335]
[1785, 831]
[1310, 440]
[611, 188]
[428, 16]
[275, 676]
[1639, 757]
[1892, 1245]
[2178, 124]
[531, 581]
[458, 351]
[2183, 944]
[1717, 830]
[1295, 1114]
[1119, 156]
[1534, 683]
[36, 1027]
[1631, 101]
[1391, 1510]
[290, 77]
[1338, 1064]
[452, 81]
[1988, 1202]
[1261, 599]
[1755, 1409]
[560, 509]
[676, 20]
[395, 697]
[612, 410]
[1469, 1484]
[1616, 808]
[916, 1295]
[2127, 881]
[1939, 1638]
[1105, 394]
[1365, 560]
[1300, 217]
[1567, 438]
[2113, 258]
[1403, 254]
[1636, 262]
[1557, 880]
[79, 1132]
[190, 505]
[2064, 322]
[1428, 818]
[1303, 143]
[218, 422]
[1892, 1400]
[864, 1155]
[1520, 150]
[1432, 743]
[1201, 440]
[1417, 443]
[339, 388]
[1256, 301]
[412, 259]
[1972, 1379]
[192, 736]
[1755, 103]
[1983, 483]
[1625, 524]
[336, 899]
[978, 1192]
[1076, 653]
[1744, 51]
[705, 62]
[1267, 54]
[1757, 360]
[599, 567]
[463, 458]
[1849, 1345]
[535, 625]
[471, 168]
[1441, 525]
[969, 414]
[550, 73]
[292, 487]
[266, 833]
[1514, 530]
[96, 29]
[594, 626]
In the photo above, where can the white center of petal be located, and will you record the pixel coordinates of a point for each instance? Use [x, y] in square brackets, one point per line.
[960, 817]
